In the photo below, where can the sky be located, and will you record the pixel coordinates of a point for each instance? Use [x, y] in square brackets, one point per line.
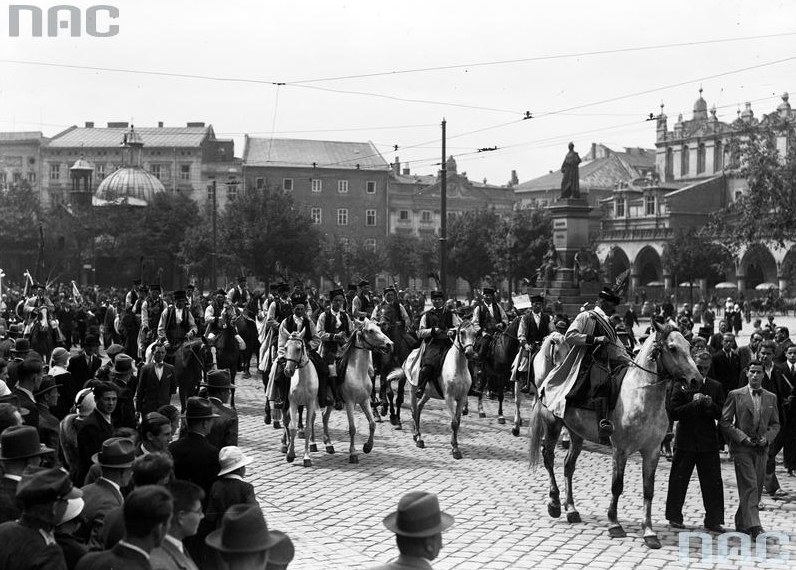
[585, 71]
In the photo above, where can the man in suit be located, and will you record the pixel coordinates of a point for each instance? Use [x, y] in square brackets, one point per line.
[534, 326]
[29, 378]
[750, 422]
[726, 365]
[19, 449]
[185, 519]
[697, 406]
[157, 383]
[749, 352]
[84, 366]
[716, 341]
[96, 428]
[224, 428]
[782, 338]
[147, 513]
[195, 458]
[789, 375]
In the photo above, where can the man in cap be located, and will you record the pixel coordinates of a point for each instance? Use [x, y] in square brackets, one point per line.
[28, 543]
[84, 366]
[96, 428]
[239, 295]
[335, 326]
[115, 459]
[152, 309]
[20, 449]
[224, 428]
[185, 519]
[122, 375]
[592, 338]
[244, 541]
[29, 377]
[215, 308]
[46, 400]
[135, 296]
[434, 328]
[147, 515]
[157, 383]
[176, 325]
[418, 525]
[298, 322]
[534, 326]
[362, 303]
[195, 458]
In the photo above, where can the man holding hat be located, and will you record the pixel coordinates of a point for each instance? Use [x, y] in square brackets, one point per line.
[195, 458]
[418, 524]
[362, 303]
[157, 383]
[335, 326]
[239, 295]
[29, 543]
[434, 328]
[224, 428]
[592, 338]
[20, 449]
[244, 540]
[534, 326]
[176, 325]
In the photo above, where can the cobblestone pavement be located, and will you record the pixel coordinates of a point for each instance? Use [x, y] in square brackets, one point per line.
[333, 510]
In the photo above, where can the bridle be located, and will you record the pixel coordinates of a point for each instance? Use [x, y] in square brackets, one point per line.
[459, 345]
[359, 336]
[302, 353]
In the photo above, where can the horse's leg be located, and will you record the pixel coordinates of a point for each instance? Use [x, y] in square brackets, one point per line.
[232, 392]
[501, 392]
[416, 408]
[267, 406]
[455, 410]
[301, 421]
[391, 399]
[352, 432]
[327, 439]
[368, 447]
[569, 469]
[615, 529]
[515, 431]
[552, 430]
[313, 445]
[399, 401]
[277, 417]
[649, 464]
[481, 375]
[311, 424]
[285, 434]
[293, 429]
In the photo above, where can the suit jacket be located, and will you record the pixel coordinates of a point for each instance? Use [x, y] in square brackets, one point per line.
[726, 369]
[227, 491]
[168, 557]
[81, 370]
[24, 548]
[9, 510]
[737, 418]
[405, 563]
[777, 385]
[91, 433]
[124, 413]
[118, 558]
[195, 460]
[153, 393]
[67, 392]
[25, 401]
[49, 428]
[779, 354]
[224, 429]
[696, 430]
[746, 356]
[100, 499]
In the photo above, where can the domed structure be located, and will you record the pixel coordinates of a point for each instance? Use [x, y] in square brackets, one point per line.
[130, 185]
[700, 108]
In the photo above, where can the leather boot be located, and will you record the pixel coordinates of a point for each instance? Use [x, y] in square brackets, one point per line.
[422, 379]
[338, 398]
[604, 426]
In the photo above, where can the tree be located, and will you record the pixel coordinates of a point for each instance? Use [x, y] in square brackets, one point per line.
[401, 256]
[690, 256]
[469, 236]
[766, 212]
[520, 242]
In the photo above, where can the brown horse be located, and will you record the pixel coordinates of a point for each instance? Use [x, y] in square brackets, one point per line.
[640, 424]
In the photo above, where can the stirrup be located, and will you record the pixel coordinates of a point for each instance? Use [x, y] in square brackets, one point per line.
[606, 427]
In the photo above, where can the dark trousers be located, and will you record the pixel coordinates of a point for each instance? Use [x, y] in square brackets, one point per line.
[790, 441]
[708, 467]
[772, 483]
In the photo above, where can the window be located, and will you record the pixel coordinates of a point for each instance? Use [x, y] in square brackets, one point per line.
[315, 214]
[259, 183]
[620, 208]
[232, 191]
[342, 216]
[17, 177]
[344, 242]
[718, 157]
[403, 215]
[342, 186]
[370, 217]
[425, 217]
[32, 177]
[55, 171]
[155, 169]
[100, 171]
[2, 177]
[185, 172]
[649, 205]
[317, 185]
[370, 245]
[701, 158]
[684, 161]
[738, 195]
[209, 191]
[370, 187]
[287, 185]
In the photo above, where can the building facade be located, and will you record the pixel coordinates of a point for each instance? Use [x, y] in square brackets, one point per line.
[20, 159]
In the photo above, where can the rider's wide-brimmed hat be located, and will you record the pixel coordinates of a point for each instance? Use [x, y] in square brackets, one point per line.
[418, 515]
[21, 442]
[243, 529]
[537, 299]
[608, 294]
[336, 293]
[241, 279]
[437, 295]
[180, 295]
[488, 291]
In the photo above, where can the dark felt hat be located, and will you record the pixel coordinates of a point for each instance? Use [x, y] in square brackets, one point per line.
[114, 349]
[336, 293]
[218, 379]
[537, 299]
[352, 287]
[180, 295]
[122, 365]
[437, 295]
[241, 279]
[47, 383]
[390, 289]
[199, 409]
[488, 291]
[298, 299]
[116, 452]
[608, 294]
[20, 442]
[418, 515]
[91, 340]
[13, 399]
[154, 287]
[283, 288]
[220, 292]
[243, 529]
[46, 486]
[136, 282]
[21, 346]
[190, 287]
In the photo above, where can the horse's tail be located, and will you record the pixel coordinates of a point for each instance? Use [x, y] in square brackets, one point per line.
[536, 434]
[396, 374]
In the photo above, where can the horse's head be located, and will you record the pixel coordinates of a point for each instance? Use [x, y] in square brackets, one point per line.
[295, 352]
[465, 337]
[372, 337]
[669, 347]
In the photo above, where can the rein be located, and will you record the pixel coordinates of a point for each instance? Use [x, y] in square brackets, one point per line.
[301, 354]
[462, 348]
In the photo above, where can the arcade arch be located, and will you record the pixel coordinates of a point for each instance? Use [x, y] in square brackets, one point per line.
[648, 266]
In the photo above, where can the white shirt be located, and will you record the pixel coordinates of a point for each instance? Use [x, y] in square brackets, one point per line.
[159, 370]
[134, 547]
[178, 315]
[175, 542]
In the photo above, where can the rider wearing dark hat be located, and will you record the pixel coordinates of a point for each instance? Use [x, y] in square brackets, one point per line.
[151, 311]
[534, 326]
[433, 330]
[362, 303]
[488, 318]
[176, 325]
[298, 321]
[239, 295]
[394, 320]
[335, 326]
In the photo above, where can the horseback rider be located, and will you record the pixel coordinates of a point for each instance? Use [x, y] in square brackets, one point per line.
[535, 325]
[435, 329]
[239, 295]
[394, 320]
[39, 308]
[194, 305]
[135, 296]
[335, 326]
[596, 343]
[362, 304]
[176, 325]
[151, 310]
[488, 317]
[298, 321]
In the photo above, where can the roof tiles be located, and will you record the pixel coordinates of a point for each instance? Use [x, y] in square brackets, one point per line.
[151, 136]
[309, 153]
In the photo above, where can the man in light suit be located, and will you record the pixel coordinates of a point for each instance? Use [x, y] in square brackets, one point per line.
[185, 519]
[750, 423]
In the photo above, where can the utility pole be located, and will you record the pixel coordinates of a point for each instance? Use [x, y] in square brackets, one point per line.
[214, 275]
[443, 220]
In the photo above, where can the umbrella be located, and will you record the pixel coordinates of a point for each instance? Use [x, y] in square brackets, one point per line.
[654, 284]
[726, 285]
[766, 286]
[688, 284]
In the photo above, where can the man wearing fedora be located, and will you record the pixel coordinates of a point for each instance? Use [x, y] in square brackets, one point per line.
[29, 543]
[157, 383]
[244, 541]
[418, 524]
[46, 400]
[20, 448]
[29, 377]
[195, 458]
[185, 519]
[84, 366]
[105, 494]
[122, 375]
[224, 428]
[147, 516]
[96, 428]
[152, 309]
[299, 321]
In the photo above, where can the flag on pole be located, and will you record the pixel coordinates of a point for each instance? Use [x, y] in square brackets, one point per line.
[76, 293]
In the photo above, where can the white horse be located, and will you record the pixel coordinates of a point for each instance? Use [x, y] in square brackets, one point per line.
[553, 351]
[357, 385]
[303, 391]
[640, 424]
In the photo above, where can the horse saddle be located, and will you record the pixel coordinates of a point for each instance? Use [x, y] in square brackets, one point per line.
[599, 382]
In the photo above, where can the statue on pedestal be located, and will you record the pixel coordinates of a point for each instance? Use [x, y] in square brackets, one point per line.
[570, 183]
[547, 271]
